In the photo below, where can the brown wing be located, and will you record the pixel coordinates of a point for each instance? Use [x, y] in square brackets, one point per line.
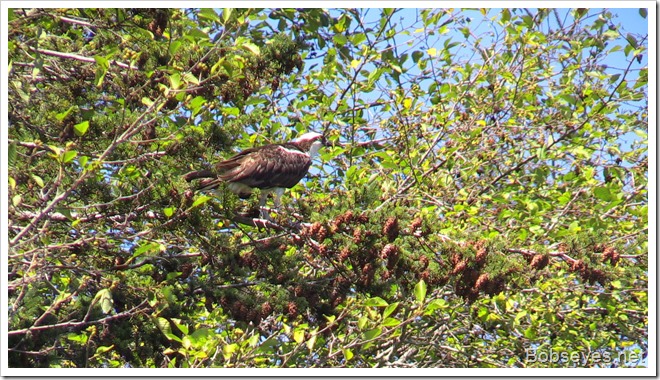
[266, 167]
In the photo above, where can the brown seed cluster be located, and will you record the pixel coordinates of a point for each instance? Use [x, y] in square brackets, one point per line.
[344, 254]
[539, 261]
[482, 252]
[424, 261]
[266, 308]
[318, 232]
[611, 254]
[391, 228]
[482, 281]
[390, 253]
[460, 266]
[292, 309]
[341, 220]
[588, 274]
[416, 224]
[186, 269]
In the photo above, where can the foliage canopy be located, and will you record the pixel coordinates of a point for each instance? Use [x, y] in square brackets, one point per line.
[483, 196]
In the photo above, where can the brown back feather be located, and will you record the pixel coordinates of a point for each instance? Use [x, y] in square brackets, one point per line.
[264, 167]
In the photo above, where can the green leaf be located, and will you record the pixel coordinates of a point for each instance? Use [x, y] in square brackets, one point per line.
[38, 180]
[226, 14]
[68, 156]
[390, 309]
[102, 66]
[163, 325]
[200, 200]
[150, 248]
[80, 338]
[196, 104]
[603, 193]
[103, 349]
[104, 297]
[310, 343]
[249, 46]
[81, 128]
[373, 333]
[530, 332]
[191, 78]
[181, 326]
[420, 291]
[436, 304]
[375, 301]
[643, 12]
[175, 81]
[299, 335]
[82, 160]
[174, 47]
[147, 102]
[169, 211]
[209, 14]
[11, 154]
[362, 322]
[62, 115]
[228, 350]
[340, 39]
[416, 55]
[632, 40]
[390, 322]
[348, 354]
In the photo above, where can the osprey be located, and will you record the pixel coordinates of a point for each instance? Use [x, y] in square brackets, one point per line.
[271, 168]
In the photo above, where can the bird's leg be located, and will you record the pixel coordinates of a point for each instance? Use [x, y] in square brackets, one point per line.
[278, 198]
[262, 201]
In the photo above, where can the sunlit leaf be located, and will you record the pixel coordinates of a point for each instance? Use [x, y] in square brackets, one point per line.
[420, 291]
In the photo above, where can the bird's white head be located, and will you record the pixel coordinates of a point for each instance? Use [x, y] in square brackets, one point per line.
[311, 142]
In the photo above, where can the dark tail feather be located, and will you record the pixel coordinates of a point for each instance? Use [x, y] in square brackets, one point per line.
[208, 184]
[199, 174]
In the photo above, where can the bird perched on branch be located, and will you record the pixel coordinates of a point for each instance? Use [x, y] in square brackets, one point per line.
[271, 168]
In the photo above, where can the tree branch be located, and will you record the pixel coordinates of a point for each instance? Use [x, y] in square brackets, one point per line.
[79, 57]
[73, 324]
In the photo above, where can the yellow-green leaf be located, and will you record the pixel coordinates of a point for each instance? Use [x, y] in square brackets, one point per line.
[104, 297]
[375, 301]
[310, 343]
[81, 128]
[190, 78]
[38, 180]
[299, 336]
[390, 309]
[249, 46]
[348, 354]
[373, 333]
[11, 154]
[147, 102]
[228, 350]
[200, 200]
[175, 81]
[420, 291]
[226, 14]
[68, 156]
